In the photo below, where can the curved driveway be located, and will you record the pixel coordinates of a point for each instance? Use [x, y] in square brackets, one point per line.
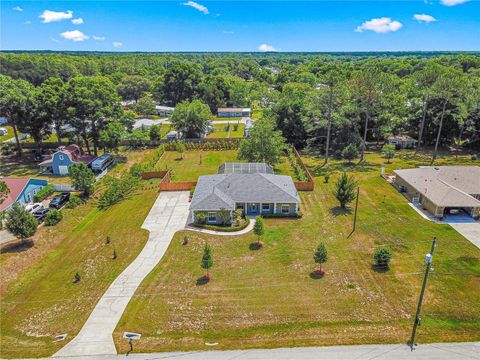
[168, 215]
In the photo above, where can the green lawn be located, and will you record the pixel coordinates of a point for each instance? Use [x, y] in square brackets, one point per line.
[9, 135]
[38, 296]
[267, 298]
[220, 131]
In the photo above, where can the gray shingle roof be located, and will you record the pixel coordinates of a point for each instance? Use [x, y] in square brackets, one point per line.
[214, 192]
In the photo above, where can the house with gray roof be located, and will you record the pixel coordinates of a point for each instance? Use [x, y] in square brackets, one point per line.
[442, 190]
[256, 193]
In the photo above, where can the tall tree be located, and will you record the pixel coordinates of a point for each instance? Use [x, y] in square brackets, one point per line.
[191, 118]
[93, 101]
[369, 86]
[133, 87]
[20, 222]
[448, 89]
[264, 144]
[83, 178]
[180, 82]
[16, 104]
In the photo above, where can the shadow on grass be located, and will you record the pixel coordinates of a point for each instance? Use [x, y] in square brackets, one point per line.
[203, 280]
[339, 211]
[380, 269]
[317, 274]
[17, 247]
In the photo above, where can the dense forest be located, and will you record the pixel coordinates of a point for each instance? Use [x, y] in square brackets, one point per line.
[318, 101]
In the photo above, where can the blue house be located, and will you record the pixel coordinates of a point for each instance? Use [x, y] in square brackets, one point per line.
[63, 158]
[22, 190]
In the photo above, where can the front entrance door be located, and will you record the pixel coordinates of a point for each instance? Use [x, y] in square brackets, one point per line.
[252, 208]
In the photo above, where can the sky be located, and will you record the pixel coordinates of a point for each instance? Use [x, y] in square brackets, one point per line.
[221, 25]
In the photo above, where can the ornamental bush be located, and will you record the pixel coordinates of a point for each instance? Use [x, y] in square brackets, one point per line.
[73, 202]
[53, 217]
[43, 193]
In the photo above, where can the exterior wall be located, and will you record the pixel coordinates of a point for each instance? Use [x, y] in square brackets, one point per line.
[408, 190]
[60, 159]
[33, 186]
[293, 208]
[217, 218]
[231, 114]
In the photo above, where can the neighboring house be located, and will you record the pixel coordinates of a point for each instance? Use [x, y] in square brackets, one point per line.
[233, 112]
[164, 110]
[22, 190]
[127, 103]
[3, 121]
[256, 192]
[63, 158]
[442, 189]
[172, 135]
[402, 141]
[144, 122]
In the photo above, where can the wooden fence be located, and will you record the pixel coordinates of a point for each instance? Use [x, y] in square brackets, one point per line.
[154, 175]
[177, 186]
[308, 185]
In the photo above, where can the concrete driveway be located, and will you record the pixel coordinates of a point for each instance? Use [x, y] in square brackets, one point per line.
[168, 215]
[470, 230]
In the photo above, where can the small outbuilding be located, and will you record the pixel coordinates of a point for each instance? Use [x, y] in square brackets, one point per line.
[233, 112]
[64, 157]
[402, 141]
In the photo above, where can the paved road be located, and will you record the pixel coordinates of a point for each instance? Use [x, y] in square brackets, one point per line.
[443, 351]
[471, 231]
[167, 216]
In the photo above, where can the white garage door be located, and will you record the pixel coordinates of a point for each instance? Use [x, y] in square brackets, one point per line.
[63, 169]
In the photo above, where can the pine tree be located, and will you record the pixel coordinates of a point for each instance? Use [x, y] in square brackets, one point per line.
[321, 255]
[345, 190]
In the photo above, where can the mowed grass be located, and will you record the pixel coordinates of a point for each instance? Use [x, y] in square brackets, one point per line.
[39, 299]
[266, 298]
[194, 163]
[9, 135]
[220, 131]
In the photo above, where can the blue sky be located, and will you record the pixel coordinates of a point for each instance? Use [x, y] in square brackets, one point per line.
[240, 25]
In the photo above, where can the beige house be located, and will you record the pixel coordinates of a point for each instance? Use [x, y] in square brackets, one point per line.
[402, 141]
[442, 190]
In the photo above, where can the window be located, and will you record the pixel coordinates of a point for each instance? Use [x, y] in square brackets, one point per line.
[60, 157]
[285, 209]
[265, 207]
[212, 216]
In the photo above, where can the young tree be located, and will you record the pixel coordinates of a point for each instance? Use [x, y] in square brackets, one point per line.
[265, 144]
[155, 132]
[388, 150]
[382, 258]
[112, 135]
[83, 178]
[320, 255]
[207, 260]
[191, 118]
[20, 222]
[350, 153]
[180, 148]
[258, 227]
[345, 189]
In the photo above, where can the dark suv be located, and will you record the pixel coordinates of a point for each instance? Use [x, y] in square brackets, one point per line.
[59, 200]
[39, 215]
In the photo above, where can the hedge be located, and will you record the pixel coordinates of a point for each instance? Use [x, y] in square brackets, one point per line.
[53, 217]
[43, 193]
[225, 228]
[293, 216]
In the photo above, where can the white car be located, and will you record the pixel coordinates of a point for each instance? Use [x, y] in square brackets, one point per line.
[31, 208]
[3, 132]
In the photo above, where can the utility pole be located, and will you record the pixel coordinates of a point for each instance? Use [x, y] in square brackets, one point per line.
[356, 208]
[428, 262]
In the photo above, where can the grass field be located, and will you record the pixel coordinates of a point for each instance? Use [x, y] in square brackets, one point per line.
[38, 297]
[267, 298]
[221, 132]
[9, 135]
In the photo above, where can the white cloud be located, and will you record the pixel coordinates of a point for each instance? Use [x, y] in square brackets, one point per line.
[18, 8]
[49, 16]
[453, 2]
[74, 35]
[117, 44]
[424, 18]
[266, 47]
[78, 21]
[380, 25]
[197, 6]
[98, 38]
[228, 32]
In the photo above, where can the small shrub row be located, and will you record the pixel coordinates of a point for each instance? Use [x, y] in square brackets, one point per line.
[297, 168]
[214, 145]
[43, 193]
[294, 216]
[225, 228]
[117, 190]
[149, 164]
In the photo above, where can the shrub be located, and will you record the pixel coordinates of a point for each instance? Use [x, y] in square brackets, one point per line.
[382, 258]
[224, 216]
[53, 217]
[76, 277]
[20, 222]
[237, 217]
[474, 157]
[326, 178]
[388, 152]
[226, 228]
[200, 217]
[350, 152]
[43, 193]
[73, 202]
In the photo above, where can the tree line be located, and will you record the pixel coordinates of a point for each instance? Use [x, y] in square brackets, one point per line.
[323, 102]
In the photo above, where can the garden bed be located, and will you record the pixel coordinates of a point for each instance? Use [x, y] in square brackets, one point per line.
[223, 228]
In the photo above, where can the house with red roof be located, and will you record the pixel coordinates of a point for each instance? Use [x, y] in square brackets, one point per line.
[64, 157]
[22, 190]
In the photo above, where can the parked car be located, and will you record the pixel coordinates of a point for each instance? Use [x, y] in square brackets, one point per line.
[3, 132]
[31, 208]
[59, 200]
[39, 215]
